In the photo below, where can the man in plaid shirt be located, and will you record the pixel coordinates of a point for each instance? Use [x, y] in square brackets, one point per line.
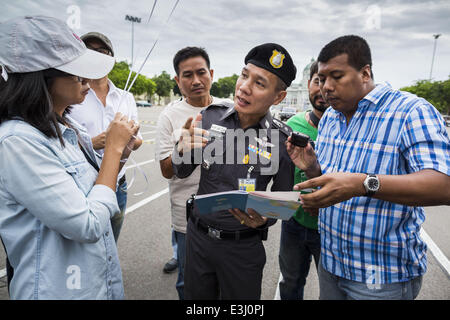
[380, 155]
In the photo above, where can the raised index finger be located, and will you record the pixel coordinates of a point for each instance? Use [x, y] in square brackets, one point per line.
[198, 120]
[188, 123]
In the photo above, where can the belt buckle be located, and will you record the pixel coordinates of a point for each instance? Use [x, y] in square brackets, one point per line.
[214, 233]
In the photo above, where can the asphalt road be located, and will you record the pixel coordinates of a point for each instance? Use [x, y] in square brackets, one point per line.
[145, 241]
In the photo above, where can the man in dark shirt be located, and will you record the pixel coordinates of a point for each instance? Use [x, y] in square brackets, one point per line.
[241, 148]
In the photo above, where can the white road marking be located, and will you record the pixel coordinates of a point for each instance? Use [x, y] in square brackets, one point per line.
[437, 253]
[147, 126]
[146, 200]
[3, 273]
[149, 141]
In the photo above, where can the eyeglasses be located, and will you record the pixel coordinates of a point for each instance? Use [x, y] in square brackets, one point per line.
[80, 79]
[101, 50]
[54, 73]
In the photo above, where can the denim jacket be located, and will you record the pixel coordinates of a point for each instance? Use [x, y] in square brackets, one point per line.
[54, 222]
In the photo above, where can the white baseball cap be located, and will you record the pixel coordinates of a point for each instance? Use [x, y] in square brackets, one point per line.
[36, 43]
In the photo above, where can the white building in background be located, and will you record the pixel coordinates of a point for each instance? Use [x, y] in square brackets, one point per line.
[297, 94]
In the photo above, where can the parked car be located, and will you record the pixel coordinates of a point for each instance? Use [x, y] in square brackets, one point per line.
[143, 103]
[287, 112]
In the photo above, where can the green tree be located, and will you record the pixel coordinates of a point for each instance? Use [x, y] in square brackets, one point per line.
[215, 90]
[435, 92]
[175, 89]
[227, 85]
[119, 76]
[164, 84]
[224, 87]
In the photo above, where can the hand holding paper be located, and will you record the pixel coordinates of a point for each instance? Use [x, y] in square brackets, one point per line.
[251, 219]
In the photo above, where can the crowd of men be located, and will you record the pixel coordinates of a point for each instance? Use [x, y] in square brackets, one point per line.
[380, 154]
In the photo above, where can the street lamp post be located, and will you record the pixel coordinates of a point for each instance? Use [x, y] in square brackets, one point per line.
[133, 20]
[436, 36]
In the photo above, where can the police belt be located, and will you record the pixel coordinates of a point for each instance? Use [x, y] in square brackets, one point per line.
[224, 234]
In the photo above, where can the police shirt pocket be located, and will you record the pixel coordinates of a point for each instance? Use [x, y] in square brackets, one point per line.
[213, 158]
[211, 169]
[262, 180]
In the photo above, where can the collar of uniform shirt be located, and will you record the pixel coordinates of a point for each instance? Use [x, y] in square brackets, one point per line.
[229, 112]
[264, 123]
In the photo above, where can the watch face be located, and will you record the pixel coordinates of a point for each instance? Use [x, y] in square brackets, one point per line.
[373, 184]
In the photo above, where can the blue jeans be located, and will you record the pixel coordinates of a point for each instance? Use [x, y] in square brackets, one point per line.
[174, 245]
[181, 253]
[298, 245]
[117, 220]
[336, 288]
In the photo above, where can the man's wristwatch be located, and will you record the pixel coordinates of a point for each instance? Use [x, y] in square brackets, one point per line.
[371, 184]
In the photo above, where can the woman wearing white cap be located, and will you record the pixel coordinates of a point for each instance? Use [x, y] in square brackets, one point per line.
[55, 201]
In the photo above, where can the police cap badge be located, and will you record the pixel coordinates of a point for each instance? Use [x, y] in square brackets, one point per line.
[275, 59]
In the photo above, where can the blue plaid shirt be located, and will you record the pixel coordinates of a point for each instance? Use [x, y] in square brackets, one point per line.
[393, 133]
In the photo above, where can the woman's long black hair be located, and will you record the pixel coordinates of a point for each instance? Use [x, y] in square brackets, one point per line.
[26, 96]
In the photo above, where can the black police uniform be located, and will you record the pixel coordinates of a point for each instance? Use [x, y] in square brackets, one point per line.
[237, 252]
[224, 258]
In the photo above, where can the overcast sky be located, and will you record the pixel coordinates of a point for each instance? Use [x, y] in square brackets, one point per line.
[400, 33]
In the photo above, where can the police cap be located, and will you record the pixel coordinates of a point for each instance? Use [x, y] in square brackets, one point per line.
[274, 58]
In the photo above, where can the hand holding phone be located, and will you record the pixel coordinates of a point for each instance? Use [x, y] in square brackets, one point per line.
[299, 139]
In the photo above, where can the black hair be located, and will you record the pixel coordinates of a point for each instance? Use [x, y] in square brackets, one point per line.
[313, 69]
[356, 48]
[189, 52]
[281, 85]
[26, 96]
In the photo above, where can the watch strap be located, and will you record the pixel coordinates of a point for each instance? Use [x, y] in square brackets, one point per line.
[369, 192]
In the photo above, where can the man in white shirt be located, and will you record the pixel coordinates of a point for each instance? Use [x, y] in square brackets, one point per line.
[194, 78]
[97, 110]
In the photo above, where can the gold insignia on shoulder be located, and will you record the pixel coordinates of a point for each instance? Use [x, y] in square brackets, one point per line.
[276, 60]
[245, 160]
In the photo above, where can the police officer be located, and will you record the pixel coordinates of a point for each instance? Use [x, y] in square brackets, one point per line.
[241, 147]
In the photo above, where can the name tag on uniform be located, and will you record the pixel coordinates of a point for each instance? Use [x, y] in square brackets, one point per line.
[218, 128]
[217, 131]
[248, 185]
